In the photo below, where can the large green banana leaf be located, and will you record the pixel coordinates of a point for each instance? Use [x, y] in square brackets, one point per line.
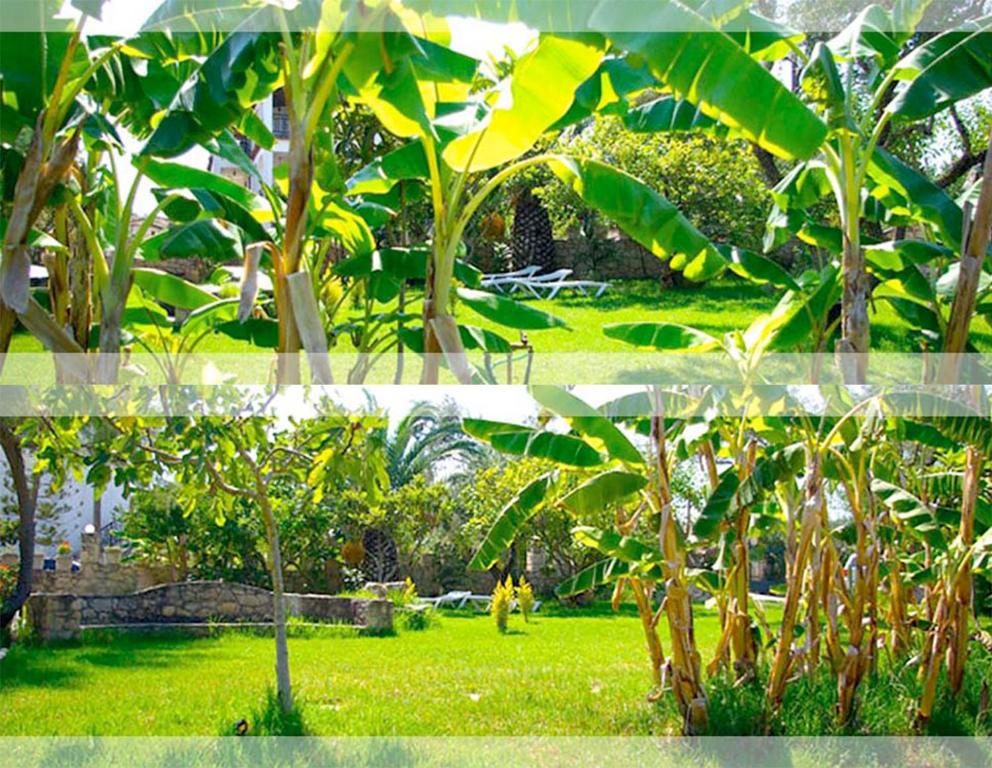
[952, 66]
[642, 213]
[603, 491]
[707, 67]
[509, 522]
[542, 89]
[588, 422]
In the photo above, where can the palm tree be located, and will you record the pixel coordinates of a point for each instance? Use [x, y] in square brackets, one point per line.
[429, 440]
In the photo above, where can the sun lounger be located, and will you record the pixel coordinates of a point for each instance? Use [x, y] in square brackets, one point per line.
[500, 279]
[534, 285]
[583, 286]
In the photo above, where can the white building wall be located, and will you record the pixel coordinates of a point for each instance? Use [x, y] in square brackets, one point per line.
[74, 503]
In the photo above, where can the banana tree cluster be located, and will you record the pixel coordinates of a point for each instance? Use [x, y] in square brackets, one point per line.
[885, 517]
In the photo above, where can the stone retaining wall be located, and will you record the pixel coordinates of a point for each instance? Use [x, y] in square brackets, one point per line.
[64, 616]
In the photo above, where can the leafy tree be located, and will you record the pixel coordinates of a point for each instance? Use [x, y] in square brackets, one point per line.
[34, 449]
[429, 442]
[245, 457]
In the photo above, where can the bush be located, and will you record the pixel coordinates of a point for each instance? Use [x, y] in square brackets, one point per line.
[525, 598]
[717, 183]
[416, 618]
[500, 605]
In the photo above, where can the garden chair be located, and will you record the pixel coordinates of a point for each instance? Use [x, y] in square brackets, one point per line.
[581, 286]
[498, 280]
[38, 276]
[456, 599]
[534, 285]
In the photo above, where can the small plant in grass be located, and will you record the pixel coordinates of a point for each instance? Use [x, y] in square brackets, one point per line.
[500, 605]
[270, 719]
[525, 598]
[410, 593]
[417, 618]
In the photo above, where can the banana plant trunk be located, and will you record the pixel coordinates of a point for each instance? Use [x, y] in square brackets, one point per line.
[961, 608]
[786, 656]
[301, 173]
[432, 347]
[855, 334]
[970, 269]
[684, 666]
[8, 319]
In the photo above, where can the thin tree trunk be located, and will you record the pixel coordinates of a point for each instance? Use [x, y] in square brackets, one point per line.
[27, 502]
[855, 335]
[784, 658]
[970, 269]
[8, 319]
[283, 683]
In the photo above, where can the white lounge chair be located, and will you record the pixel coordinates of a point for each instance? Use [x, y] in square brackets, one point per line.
[498, 280]
[534, 285]
[581, 286]
[456, 599]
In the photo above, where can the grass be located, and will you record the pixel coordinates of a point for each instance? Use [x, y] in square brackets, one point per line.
[717, 307]
[581, 672]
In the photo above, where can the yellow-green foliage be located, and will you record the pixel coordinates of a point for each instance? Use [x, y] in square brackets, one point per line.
[525, 598]
[410, 593]
[500, 605]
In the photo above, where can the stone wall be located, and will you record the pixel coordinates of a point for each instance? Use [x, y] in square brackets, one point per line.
[614, 257]
[64, 616]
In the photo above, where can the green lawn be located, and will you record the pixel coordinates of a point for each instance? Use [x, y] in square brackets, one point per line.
[568, 673]
[717, 307]
[562, 675]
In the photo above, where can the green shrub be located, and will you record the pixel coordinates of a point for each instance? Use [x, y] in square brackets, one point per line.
[416, 618]
[500, 605]
[525, 598]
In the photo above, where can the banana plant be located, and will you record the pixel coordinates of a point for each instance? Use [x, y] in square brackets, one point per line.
[800, 321]
[851, 166]
[939, 286]
[451, 143]
[43, 76]
[946, 510]
[609, 470]
[248, 66]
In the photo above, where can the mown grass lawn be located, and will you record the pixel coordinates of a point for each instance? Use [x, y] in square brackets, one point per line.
[569, 673]
[717, 307]
[583, 674]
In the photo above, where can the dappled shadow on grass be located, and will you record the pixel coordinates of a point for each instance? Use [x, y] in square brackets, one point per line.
[65, 665]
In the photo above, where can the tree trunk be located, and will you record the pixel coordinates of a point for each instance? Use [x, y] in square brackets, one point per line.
[8, 319]
[111, 319]
[685, 663]
[970, 269]
[283, 684]
[784, 660]
[27, 502]
[855, 335]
